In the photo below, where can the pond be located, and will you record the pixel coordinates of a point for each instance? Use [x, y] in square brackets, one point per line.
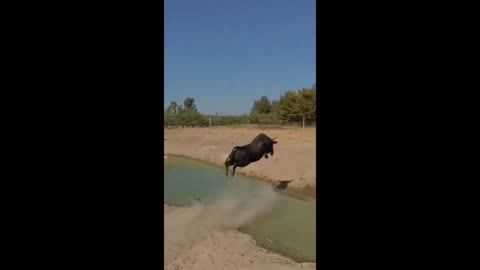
[287, 224]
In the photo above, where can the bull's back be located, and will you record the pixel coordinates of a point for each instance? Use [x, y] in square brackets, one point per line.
[260, 138]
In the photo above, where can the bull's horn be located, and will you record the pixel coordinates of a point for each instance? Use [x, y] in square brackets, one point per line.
[275, 138]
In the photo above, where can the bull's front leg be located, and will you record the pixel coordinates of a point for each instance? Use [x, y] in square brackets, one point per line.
[226, 169]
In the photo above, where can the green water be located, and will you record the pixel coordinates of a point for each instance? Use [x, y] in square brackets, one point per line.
[288, 228]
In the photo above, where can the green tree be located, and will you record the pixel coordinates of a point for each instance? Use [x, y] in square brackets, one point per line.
[287, 107]
[293, 105]
[274, 105]
[307, 102]
[262, 105]
[172, 108]
[189, 105]
[180, 109]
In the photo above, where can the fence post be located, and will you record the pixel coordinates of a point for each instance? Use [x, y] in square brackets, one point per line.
[304, 121]
[209, 121]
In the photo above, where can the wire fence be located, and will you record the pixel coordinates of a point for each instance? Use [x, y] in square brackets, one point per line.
[214, 121]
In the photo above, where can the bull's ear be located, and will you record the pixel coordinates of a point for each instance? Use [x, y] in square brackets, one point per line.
[274, 142]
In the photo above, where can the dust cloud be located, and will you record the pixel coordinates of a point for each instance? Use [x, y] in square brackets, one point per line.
[233, 209]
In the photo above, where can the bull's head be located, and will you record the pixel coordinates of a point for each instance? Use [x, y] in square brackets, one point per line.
[271, 145]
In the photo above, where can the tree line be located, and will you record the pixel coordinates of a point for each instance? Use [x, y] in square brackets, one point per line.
[292, 106]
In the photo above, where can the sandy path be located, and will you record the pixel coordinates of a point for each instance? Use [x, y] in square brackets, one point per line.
[294, 158]
[212, 244]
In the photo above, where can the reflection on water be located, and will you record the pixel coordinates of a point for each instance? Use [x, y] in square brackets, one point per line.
[287, 228]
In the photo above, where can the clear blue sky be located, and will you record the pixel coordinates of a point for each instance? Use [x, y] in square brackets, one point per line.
[227, 53]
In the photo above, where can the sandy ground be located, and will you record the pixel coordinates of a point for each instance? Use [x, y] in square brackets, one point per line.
[294, 157]
[213, 243]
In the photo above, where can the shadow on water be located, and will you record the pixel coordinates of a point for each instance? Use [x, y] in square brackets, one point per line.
[277, 220]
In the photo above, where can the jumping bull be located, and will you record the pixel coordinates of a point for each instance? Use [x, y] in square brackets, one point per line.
[241, 156]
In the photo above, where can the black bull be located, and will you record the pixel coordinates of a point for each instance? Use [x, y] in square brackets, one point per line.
[241, 156]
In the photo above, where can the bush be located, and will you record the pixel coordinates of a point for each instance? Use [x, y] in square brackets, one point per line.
[264, 118]
[194, 119]
[254, 118]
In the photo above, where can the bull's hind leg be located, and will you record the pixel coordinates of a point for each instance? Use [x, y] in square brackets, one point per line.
[226, 169]
[234, 166]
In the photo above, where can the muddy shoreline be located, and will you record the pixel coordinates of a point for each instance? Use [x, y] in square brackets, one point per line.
[206, 246]
[294, 159]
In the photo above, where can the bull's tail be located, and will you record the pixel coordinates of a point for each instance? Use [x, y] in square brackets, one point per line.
[230, 157]
[228, 162]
